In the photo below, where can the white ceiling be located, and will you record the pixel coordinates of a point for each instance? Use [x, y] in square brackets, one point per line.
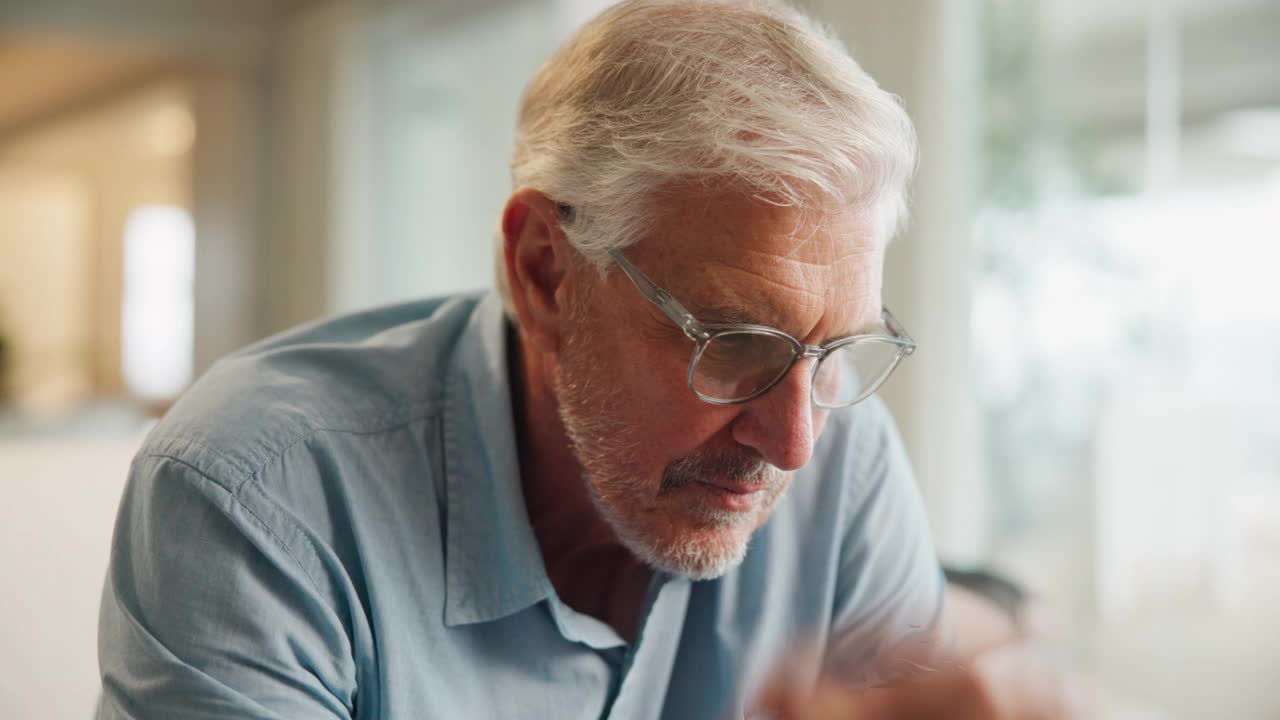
[58, 54]
[1075, 22]
[41, 76]
[54, 52]
[1229, 57]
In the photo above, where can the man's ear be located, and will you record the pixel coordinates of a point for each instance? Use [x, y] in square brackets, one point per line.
[538, 265]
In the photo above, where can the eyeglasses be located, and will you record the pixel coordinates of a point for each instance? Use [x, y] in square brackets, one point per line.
[733, 363]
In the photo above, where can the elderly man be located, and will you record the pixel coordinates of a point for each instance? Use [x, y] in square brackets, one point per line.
[625, 486]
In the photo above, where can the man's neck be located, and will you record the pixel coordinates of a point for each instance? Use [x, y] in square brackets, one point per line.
[591, 570]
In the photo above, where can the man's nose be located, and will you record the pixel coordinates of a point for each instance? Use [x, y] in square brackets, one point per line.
[780, 424]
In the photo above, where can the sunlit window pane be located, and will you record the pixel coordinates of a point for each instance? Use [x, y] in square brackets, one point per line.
[158, 301]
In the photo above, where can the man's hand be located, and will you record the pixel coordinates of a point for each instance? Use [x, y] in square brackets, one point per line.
[1007, 684]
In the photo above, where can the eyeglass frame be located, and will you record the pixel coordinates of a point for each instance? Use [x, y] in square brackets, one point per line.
[703, 333]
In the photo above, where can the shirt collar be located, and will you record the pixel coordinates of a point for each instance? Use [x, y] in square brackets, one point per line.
[493, 565]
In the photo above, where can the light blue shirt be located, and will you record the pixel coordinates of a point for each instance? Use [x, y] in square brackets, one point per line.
[330, 524]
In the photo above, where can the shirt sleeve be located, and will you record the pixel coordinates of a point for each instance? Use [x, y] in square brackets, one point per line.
[209, 611]
[890, 587]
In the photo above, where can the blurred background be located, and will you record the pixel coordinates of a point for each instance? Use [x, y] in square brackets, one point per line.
[1094, 410]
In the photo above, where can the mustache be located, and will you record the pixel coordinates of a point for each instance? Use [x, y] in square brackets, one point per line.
[747, 468]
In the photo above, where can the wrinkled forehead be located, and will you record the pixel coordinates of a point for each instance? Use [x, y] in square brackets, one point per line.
[737, 259]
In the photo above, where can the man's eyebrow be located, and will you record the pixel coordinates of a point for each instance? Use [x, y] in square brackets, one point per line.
[731, 314]
[725, 314]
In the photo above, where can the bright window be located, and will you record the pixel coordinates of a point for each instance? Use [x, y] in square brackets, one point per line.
[1127, 331]
[158, 301]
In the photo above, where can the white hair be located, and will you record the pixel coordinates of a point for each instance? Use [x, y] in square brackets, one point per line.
[752, 93]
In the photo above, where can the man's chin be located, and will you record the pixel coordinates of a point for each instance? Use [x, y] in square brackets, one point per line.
[693, 531]
[698, 551]
[706, 539]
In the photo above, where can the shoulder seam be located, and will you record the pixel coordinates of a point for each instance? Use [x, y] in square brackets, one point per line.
[234, 497]
[236, 488]
[250, 467]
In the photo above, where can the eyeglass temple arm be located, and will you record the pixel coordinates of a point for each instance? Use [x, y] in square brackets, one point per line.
[899, 332]
[656, 295]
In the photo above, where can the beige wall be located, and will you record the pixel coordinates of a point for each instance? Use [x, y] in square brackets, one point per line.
[229, 196]
[304, 71]
[45, 299]
[97, 166]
